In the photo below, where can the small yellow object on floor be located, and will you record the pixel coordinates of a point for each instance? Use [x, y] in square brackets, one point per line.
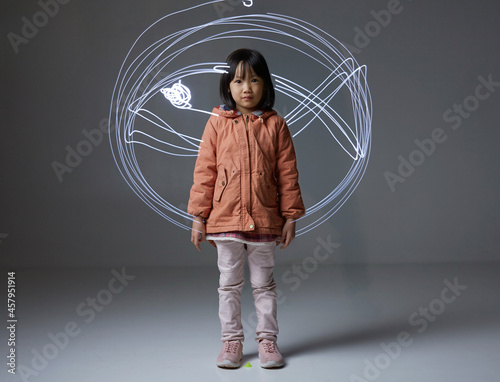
[248, 364]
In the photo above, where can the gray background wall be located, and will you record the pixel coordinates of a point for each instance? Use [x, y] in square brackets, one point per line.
[428, 58]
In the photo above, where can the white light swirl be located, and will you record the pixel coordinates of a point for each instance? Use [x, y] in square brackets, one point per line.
[139, 82]
[179, 95]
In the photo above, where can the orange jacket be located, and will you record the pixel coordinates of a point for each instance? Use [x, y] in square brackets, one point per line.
[245, 176]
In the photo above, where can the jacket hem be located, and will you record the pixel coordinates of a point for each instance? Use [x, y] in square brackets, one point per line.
[219, 229]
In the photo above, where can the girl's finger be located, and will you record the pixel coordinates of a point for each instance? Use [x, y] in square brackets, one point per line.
[285, 242]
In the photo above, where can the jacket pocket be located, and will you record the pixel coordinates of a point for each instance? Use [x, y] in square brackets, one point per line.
[220, 183]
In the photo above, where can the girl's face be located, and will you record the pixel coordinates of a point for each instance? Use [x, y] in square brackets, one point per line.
[246, 91]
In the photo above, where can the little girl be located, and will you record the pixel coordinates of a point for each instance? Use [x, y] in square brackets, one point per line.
[246, 198]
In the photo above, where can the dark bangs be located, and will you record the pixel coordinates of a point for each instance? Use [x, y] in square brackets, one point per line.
[255, 60]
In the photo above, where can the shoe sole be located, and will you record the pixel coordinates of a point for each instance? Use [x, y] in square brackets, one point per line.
[272, 365]
[229, 365]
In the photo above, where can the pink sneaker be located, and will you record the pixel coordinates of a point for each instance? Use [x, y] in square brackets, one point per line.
[269, 354]
[231, 354]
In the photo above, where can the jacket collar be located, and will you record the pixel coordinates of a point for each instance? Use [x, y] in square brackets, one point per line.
[226, 111]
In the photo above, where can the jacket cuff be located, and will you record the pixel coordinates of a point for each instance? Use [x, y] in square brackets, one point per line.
[293, 215]
[196, 213]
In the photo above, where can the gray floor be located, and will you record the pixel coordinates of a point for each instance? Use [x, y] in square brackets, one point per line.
[335, 322]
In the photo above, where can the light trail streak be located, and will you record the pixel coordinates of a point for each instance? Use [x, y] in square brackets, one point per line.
[151, 72]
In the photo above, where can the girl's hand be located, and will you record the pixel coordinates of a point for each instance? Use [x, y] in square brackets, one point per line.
[198, 232]
[288, 233]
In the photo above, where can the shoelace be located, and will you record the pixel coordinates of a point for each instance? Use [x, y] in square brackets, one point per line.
[231, 347]
[269, 347]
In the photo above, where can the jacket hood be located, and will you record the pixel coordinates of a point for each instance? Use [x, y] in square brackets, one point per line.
[227, 112]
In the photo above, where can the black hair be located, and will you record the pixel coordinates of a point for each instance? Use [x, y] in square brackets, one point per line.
[255, 60]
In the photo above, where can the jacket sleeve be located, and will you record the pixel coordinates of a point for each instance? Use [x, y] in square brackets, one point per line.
[290, 199]
[205, 174]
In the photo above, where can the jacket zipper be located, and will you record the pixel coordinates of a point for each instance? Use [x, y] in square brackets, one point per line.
[248, 136]
[249, 161]
[246, 123]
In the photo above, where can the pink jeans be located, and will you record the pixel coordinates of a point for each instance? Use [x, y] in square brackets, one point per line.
[231, 260]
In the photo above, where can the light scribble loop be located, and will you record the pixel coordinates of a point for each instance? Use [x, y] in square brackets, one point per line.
[179, 95]
[139, 83]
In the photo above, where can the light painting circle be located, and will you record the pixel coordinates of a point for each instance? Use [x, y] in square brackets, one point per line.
[140, 80]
